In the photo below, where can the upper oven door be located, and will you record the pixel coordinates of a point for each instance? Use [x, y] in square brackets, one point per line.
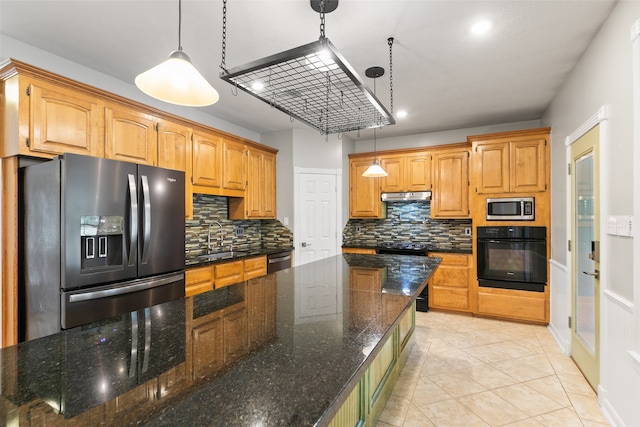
[517, 260]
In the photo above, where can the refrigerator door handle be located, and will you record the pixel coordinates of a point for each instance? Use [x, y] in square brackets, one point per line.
[136, 286]
[146, 200]
[133, 219]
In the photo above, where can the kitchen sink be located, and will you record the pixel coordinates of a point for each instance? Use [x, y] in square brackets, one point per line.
[222, 255]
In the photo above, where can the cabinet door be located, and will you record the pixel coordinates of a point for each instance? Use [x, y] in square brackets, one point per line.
[130, 136]
[451, 185]
[269, 189]
[394, 167]
[207, 160]
[234, 171]
[491, 167]
[418, 172]
[364, 193]
[528, 165]
[64, 121]
[174, 152]
[254, 194]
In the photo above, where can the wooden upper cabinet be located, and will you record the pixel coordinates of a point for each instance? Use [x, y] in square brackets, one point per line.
[63, 121]
[130, 135]
[234, 171]
[207, 160]
[410, 172]
[418, 172]
[270, 195]
[174, 152]
[393, 165]
[528, 165]
[491, 167]
[259, 201]
[450, 197]
[174, 141]
[364, 192]
[511, 163]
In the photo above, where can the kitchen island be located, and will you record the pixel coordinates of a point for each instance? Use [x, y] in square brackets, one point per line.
[315, 344]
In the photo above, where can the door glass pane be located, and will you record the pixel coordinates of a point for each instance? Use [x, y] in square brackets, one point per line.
[585, 283]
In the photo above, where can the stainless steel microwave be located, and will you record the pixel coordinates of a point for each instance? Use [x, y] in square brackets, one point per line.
[511, 209]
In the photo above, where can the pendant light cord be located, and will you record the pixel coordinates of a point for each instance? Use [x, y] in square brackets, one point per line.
[180, 25]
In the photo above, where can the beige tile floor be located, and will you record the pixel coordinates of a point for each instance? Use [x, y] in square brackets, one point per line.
[468, 371]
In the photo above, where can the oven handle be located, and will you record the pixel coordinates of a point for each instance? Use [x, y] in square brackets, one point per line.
[482, 240]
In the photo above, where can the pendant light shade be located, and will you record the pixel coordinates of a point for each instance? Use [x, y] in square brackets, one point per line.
[176, 80]
[374, 171]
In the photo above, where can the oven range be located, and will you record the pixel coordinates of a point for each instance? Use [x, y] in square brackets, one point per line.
[409, 248]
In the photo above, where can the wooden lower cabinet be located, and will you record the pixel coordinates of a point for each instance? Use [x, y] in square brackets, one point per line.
[449, 286]
[203, 279]
[514, 305]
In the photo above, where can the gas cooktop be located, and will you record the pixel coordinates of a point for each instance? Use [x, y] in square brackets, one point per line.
[404, 245]
[403, 248]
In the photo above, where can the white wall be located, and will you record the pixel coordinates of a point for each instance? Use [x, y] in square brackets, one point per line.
[437, 138]
[15, 49]
[603, 77]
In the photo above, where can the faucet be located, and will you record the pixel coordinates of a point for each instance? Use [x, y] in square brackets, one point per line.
[209, 236]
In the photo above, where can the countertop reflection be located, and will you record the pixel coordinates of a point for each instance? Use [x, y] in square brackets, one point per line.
[276, 350]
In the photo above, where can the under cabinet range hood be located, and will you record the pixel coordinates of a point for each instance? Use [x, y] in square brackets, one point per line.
[418, 196]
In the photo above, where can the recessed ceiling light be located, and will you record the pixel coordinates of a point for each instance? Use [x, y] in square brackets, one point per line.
[481, 27]
[257, 85]
[402, 113]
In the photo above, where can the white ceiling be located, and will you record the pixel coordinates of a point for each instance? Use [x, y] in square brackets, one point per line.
[442, 75]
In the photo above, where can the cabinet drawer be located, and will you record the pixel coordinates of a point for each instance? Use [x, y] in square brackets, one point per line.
[228, 273]
[451, 259]
[450, 298]
[198, 280]
[514, 305]
[255, 267]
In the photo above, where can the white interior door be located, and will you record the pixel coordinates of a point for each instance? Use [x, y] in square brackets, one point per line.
[316, 225]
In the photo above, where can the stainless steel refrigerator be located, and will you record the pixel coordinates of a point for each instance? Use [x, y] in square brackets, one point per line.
[99, 238]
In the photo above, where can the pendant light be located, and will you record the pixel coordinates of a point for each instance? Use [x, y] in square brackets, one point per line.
[375, 170]
[176, 80]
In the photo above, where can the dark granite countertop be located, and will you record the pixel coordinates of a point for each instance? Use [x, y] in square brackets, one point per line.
[197, 261]
[284, 349]
[441, 249]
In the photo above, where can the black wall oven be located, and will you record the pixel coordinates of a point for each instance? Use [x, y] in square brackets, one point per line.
[511, 257]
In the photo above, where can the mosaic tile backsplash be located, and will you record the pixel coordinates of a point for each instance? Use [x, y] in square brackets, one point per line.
[408, 222]
[211, 213]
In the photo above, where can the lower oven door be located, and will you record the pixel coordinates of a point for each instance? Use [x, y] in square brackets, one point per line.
[512, 263]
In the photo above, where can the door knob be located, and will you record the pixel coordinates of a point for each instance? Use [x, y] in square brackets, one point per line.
[595, 274]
